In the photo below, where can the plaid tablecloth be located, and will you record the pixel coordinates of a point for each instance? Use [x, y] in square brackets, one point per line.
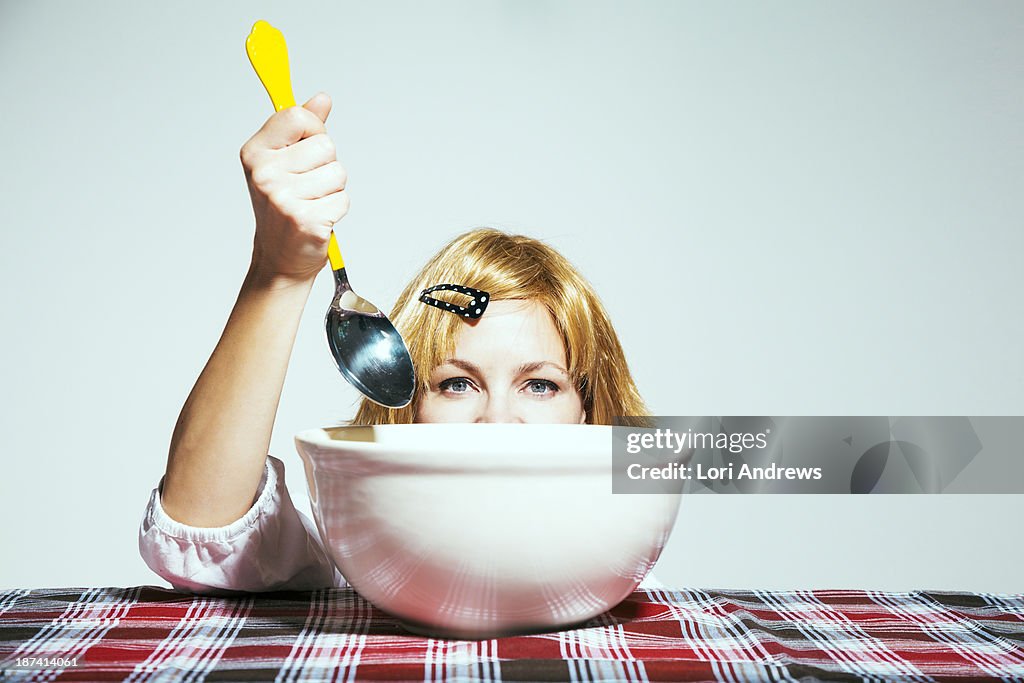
[148, 633]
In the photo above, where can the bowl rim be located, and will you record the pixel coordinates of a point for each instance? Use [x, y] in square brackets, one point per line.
[436, 458]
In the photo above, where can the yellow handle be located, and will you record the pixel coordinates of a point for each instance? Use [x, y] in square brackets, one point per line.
[268, 55]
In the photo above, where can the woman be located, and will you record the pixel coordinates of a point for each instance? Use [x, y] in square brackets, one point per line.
[543, 351]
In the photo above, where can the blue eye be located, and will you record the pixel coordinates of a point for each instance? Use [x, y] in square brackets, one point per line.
[541, 387]
[455, 385]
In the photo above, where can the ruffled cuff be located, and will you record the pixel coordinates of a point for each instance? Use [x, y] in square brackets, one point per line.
[264, 503]
[271, 547]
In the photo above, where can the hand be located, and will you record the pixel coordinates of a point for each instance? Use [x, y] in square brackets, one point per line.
[297, 188]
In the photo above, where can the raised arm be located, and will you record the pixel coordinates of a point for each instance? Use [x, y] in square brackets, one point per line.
[220, 442]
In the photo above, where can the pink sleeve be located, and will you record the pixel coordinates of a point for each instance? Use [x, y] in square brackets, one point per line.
[272, 547]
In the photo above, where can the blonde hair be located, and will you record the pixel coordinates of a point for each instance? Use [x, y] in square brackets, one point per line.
[513, 267]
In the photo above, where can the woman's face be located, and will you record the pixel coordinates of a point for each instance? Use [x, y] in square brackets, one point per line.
[508, 366]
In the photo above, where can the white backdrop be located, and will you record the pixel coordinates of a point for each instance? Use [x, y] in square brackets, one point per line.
[827, 195]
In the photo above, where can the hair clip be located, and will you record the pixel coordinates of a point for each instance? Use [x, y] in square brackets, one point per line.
[475, 309]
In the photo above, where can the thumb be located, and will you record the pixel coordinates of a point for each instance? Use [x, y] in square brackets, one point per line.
[319, 104]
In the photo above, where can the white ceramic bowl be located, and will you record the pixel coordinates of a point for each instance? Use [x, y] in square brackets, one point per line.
[479, 530]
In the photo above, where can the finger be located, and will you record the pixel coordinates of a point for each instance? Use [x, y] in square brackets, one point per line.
[288, 126]
[319, 104]
[321, 181]
[305, 155]
[333, 207]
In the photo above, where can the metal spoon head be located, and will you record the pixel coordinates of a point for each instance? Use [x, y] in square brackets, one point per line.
[369, 351]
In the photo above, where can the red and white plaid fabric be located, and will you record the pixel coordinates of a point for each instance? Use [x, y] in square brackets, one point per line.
[152, 634]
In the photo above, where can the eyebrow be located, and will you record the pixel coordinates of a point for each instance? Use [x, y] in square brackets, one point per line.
[522, 369]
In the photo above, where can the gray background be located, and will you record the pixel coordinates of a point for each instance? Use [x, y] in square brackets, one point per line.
[788, 208]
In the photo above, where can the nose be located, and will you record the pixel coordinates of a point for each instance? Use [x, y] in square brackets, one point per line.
[498, 409]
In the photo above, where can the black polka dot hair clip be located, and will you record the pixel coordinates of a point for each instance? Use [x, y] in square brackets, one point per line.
[476, 307]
